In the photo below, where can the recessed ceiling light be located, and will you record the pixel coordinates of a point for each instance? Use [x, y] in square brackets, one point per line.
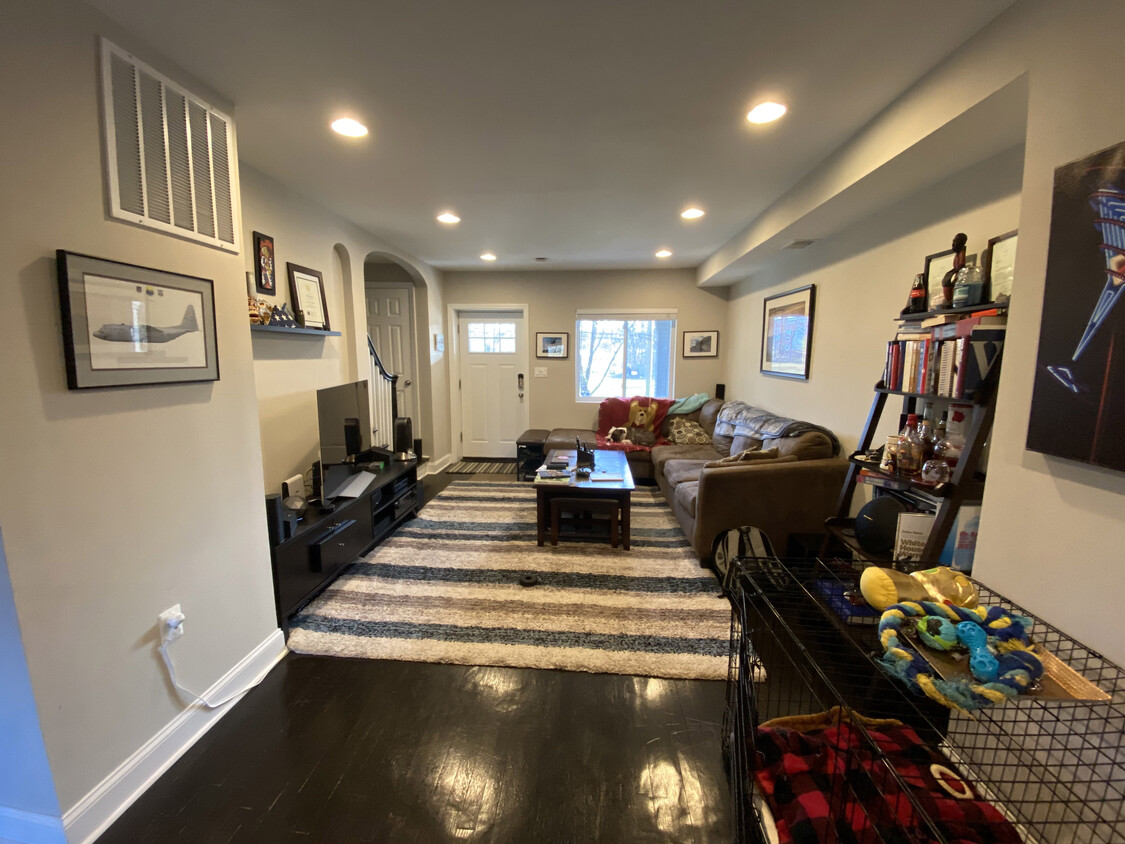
[488, 256]
[692, 213]
[664, 253]
[448, 217]
[350, 128]
[766, 112]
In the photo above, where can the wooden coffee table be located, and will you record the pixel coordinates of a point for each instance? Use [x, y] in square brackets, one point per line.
[611, 463]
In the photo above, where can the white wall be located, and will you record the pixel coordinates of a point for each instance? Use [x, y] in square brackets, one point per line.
[118, 503]
[553, 298]
[1050, 529]
[862, 279]
[288, 370]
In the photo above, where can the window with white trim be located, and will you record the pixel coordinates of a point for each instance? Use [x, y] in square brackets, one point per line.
[495, 338]
[625, 353]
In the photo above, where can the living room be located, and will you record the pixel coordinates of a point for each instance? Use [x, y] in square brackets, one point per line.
[119, 503]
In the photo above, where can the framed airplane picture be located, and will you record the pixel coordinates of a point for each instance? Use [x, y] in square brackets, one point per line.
[126, 326]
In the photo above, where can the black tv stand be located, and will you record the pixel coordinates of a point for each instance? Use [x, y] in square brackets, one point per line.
[330, 537]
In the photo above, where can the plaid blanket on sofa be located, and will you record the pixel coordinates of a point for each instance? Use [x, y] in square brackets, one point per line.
[737, 418]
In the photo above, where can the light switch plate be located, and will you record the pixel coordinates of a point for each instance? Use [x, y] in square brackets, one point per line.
[540, 372]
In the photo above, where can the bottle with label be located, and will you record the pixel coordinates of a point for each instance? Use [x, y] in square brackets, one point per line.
[949, 279]
[909, 451]
[919, 301]
[949, 448]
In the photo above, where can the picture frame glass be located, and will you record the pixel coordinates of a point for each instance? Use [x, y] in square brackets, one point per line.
[1002, 267]
[306, 287]
[551, 345]
[701, 344]
[787, 323]
[265, 264]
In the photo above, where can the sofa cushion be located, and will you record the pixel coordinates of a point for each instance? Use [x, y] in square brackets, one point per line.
[722, 444]
[746, 456]
[770, 457]
[686, 432]
[678, 471]
[661, 454]
[686, 495]
[811, 445]
[709, 414]
[564, 438]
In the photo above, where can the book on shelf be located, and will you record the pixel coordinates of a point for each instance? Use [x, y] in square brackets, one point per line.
[984, 347]
[911, 536]
[548, 473]
[872, 478]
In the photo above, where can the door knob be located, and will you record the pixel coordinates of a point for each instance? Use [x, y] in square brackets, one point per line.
[406, 383]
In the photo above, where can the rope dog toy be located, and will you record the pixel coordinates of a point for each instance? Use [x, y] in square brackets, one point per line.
[1000, 660]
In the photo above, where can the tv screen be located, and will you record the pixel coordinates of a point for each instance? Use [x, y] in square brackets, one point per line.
[344, 414]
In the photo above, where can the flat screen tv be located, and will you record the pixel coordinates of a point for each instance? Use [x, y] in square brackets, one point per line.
[344, 414]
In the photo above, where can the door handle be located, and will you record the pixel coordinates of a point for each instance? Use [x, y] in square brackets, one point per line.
[406, 383]
[519, 380]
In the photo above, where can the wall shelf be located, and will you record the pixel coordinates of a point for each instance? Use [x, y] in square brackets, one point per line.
[280, 329]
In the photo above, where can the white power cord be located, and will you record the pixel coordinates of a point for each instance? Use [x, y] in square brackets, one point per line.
[173, 625]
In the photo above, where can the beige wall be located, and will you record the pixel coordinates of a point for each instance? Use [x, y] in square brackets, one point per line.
[1051, 529]
[289, 370]
[117, 503]
[553, 298]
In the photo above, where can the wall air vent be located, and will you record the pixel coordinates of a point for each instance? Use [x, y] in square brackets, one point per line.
[798, 244]
[170, 157]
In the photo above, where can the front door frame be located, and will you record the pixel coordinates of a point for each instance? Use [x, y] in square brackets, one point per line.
[453, 348]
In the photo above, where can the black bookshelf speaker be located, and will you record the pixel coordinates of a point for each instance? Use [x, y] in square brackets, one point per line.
[275, 520]
[720, 391]
[404, 434]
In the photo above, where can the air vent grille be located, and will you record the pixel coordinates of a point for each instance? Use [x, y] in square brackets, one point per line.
[170, 155]
[798, 244]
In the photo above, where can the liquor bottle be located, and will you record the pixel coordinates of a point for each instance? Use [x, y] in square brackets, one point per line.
[919, 301]
[949, 449]
[909, 451]
[949, 279]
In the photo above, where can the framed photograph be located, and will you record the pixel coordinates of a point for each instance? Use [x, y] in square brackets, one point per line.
[701, 344]
[126, 326]
[551, 344]
[787, 323]
[1000, 267]
[307, 289]
[937, 265]
[265, 269]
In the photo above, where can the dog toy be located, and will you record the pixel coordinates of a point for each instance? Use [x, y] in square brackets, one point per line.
[999, 644]
[883, 588]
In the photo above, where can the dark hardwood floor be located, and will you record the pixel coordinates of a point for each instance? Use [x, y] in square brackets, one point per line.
[342, 750]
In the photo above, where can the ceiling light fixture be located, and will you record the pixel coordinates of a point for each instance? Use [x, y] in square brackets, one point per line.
[664, 253]
[766, 112]
[448, 217]
[488, 256]
[692, 213]
[349, 128]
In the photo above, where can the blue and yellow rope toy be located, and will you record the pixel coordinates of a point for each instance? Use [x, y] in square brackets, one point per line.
[1000, 658]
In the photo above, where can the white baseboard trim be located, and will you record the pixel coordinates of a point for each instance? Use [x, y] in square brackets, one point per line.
[90, 817]
[435, 467]
[20, 827]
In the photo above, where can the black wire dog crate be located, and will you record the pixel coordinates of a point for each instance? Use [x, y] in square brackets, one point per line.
[1030, 769]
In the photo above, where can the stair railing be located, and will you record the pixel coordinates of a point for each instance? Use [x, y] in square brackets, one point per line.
[384, 399]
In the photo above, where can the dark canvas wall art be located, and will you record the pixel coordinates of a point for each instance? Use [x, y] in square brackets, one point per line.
[1078, 400]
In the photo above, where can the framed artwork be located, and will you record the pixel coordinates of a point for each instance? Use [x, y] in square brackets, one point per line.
[1078, 395]
[126, 326]
[701, 344]
[551, 344]
[787, 322]
[307, 290]
[1000, 267]
[265, 268]
[937, 265]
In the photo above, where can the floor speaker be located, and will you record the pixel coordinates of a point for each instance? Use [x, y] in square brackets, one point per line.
[720, 391]
[404, 435]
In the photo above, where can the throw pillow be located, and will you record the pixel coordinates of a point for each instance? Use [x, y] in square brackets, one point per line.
[687, 432]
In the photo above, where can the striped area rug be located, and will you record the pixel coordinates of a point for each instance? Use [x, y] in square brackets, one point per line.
[445, 588]
[473, 467]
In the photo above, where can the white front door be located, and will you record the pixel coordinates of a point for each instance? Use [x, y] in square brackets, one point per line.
[492, 349]
[390, 322]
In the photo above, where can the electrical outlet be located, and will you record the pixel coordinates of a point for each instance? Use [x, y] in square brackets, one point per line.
[171, 624]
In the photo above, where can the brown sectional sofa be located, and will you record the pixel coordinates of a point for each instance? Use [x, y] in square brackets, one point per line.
[786, 495]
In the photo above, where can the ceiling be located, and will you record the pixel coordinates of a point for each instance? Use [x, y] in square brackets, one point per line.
[574, 131]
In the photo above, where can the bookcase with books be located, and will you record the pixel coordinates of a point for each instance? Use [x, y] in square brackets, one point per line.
[948, 359]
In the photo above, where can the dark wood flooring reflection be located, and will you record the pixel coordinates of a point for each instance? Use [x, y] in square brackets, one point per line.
[343, 750]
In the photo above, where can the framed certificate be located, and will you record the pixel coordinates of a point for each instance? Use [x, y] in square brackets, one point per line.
[1000, 267]
[307, 289]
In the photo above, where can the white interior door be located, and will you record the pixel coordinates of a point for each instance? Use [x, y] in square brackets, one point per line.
[390, 322]
[492, 349]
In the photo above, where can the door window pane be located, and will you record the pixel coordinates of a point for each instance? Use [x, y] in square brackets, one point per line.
[625, 357]
[496, 338]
